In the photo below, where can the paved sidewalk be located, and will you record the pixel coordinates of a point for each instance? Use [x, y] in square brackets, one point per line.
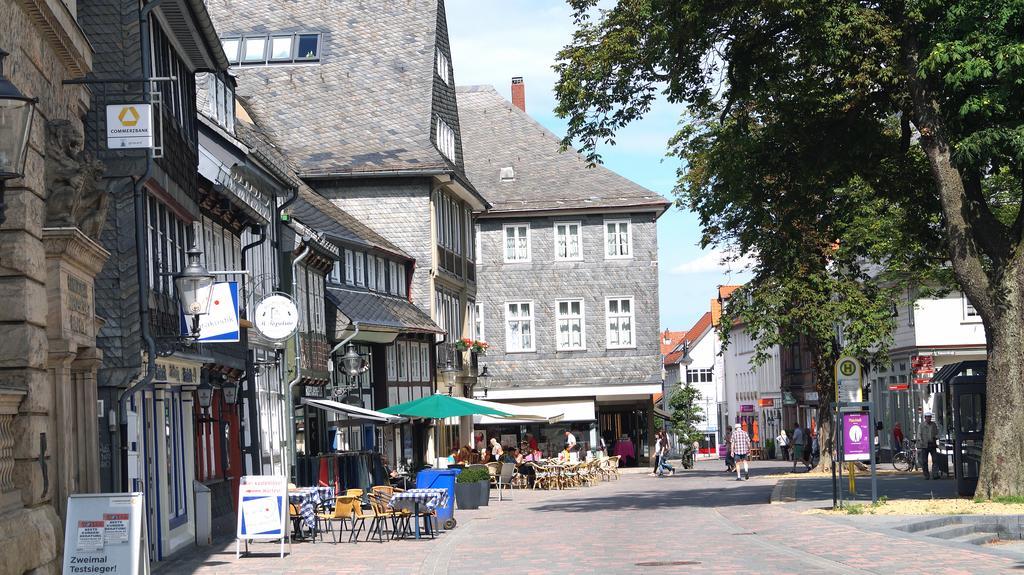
[699, 521]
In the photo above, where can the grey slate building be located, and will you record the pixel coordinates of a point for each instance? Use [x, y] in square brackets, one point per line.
[154, 206]
[568, 279]
[361, 100]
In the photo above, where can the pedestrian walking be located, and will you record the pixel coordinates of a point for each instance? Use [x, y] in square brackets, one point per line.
[927, 438]
[741, 451]
[661, 455]
[730, 463]
[782, 440]
[800, 451]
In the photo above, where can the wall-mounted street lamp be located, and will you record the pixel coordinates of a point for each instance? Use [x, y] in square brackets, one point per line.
[686, 360]
[352, 362]
[230, 392]
[16, 112]
[192, 285]
[204, 395]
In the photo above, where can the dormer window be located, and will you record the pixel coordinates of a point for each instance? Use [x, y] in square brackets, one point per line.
[507, 174]
[221, 100]
[273, 49]
[443, 65]
[445, 137]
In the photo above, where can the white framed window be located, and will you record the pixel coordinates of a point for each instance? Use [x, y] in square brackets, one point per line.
[445, 138]
[570, 325]
[519, 327]
[254, 49]
[969, 312]
[381, 276]
[360, 269]
[517, 242]
[567, 241]
[371, 273]
[619, 320]
[392, 363]
[393, 284]
[478, 322]
[414, 362]
[349, 271]
[281, 47]
[231, 46]
[336, 273]
[700, 375]
[618, 239]
[425, 361]
[403, 361]
[401, 280]
[477, 246]
[443, 67]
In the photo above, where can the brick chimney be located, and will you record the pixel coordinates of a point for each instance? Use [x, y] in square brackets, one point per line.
[518, 93]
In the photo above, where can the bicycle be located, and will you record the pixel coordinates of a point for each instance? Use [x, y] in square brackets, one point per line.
[906, 459]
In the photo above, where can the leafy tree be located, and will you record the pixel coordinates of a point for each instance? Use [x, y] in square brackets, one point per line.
[686, 414]
[834, 140]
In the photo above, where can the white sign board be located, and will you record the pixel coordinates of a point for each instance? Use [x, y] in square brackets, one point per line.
[276, 317]
[104, 533]
[220, 323]
[848, 379]
[262, 510]
[129, 126]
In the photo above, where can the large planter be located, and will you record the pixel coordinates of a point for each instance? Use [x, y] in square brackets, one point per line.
[485, 493]
[467, 495]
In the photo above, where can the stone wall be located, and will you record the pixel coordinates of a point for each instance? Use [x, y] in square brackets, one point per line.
[46, 48]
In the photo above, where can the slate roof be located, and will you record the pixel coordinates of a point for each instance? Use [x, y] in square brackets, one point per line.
[322, 215]
[374, 310]
[367, 105]
[496, 134]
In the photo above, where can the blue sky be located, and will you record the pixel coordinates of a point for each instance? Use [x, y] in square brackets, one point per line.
[493, 40]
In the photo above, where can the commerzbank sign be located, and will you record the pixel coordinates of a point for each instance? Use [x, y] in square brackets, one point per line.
[129, 126]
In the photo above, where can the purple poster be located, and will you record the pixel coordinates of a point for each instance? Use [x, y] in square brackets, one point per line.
[856, 437]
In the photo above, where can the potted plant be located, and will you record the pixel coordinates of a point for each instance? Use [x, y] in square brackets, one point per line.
[463, 344]
[479, 347]
[470, 486]
[769, 452]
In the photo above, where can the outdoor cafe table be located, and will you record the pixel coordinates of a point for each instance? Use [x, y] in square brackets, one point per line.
[307, 499]
[432, 498]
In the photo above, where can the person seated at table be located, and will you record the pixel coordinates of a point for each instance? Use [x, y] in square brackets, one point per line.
[517, 456]
[563, 456]
[453, 457]
[510, 455]
[485, 456]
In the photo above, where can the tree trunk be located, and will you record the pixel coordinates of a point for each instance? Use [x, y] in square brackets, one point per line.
[1002, 461]
[824, 381]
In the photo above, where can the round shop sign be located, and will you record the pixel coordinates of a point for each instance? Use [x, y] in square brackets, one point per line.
[277, 317]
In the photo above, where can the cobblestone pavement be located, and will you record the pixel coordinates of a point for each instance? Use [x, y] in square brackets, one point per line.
[700, 521]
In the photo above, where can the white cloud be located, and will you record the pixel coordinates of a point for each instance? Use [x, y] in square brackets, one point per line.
[716, 261]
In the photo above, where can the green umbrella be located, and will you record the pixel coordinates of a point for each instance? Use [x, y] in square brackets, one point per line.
[440, 406]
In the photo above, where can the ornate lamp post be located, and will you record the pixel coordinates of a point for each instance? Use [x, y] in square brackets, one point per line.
[16, 111]
[192, 285]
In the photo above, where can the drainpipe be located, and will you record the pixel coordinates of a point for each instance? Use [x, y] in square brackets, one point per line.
[289, 400]
[142, 275]
[346, 340]
[255, 454]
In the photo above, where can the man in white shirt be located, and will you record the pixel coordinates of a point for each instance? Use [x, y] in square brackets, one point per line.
[927, 441]
[570, 439]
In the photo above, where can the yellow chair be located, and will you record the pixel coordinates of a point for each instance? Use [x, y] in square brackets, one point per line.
[353, 493]
[342, 512]
[359, 518]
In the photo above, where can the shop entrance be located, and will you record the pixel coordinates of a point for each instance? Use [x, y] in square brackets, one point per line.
[624, 430]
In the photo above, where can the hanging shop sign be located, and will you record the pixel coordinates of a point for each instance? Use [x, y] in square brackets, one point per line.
[262, 510]
[276, 317]
[766, 402]
[104, 534]
[220, 324]
[129, 126]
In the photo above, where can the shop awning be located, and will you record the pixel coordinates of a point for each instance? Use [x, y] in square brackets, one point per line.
[354, 415]
[549, 411]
